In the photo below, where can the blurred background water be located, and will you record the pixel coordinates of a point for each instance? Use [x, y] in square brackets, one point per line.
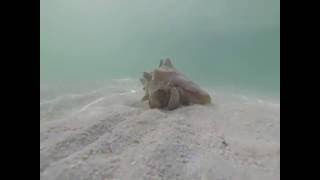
[216, 43]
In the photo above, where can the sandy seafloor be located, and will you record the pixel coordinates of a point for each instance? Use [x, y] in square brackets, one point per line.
[102, 131]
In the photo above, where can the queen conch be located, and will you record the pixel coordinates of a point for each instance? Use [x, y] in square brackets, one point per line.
[167, 88]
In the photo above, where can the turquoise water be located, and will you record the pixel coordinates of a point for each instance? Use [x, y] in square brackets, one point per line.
[215, 42]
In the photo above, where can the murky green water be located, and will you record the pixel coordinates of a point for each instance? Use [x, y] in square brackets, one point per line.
[215, 42]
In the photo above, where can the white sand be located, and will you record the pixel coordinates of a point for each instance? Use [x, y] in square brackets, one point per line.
[102, 133]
